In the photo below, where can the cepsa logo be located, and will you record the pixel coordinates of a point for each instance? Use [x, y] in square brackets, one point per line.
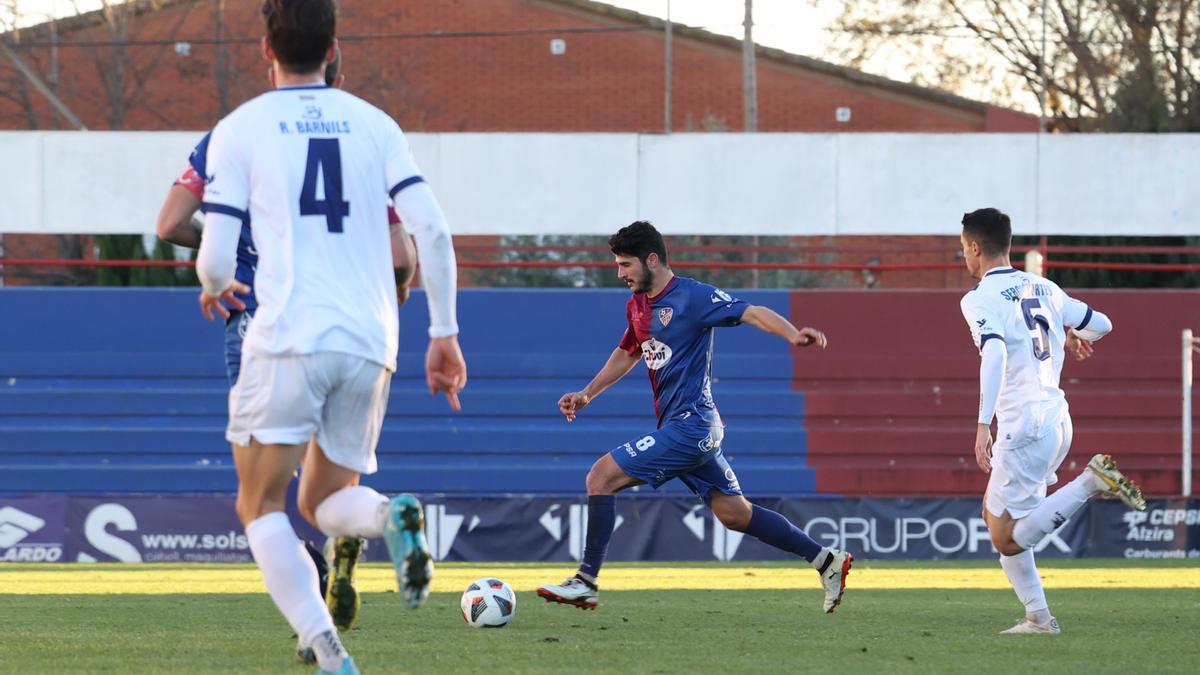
[16, 526]
[1158, 524]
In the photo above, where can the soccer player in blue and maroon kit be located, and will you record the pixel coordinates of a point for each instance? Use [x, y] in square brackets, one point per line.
[669, 326]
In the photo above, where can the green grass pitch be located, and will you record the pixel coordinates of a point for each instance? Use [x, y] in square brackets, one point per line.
[656, 618]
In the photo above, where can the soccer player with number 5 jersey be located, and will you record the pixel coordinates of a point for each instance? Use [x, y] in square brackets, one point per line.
[1017, 321]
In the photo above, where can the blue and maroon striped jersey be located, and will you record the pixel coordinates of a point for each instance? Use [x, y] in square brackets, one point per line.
[672, 332]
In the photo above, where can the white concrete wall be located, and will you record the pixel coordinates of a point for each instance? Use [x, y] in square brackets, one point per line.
[767, 184]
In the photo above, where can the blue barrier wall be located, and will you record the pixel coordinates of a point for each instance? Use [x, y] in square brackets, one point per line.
[124, 390]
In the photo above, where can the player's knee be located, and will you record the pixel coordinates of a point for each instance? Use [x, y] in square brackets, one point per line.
[595, 483]
[248, 508]
[1005, 544]
[251, 507]
[734, 514]
[600, 479]
[308, 508]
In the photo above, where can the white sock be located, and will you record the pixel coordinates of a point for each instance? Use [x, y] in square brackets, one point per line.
[821, 557]
[1023, 575]
[356, 511]
[329, 651]
[1054, 511]
[290, 577]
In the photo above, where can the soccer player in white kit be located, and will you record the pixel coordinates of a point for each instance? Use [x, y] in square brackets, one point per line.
[1017, 321]
[313, 168]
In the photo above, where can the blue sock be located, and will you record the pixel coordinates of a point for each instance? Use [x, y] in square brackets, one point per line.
[602, 517]
[772, 528]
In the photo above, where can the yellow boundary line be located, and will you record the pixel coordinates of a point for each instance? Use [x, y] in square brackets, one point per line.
[134, 579]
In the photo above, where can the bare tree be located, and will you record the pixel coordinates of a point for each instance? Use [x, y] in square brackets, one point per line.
[13, 85]
[1108, 64]
[122, 79]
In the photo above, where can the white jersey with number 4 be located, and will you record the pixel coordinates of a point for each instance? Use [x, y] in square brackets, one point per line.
[1027, 313]
[312, 168]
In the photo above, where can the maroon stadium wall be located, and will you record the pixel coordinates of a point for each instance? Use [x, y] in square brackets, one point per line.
[890, 406]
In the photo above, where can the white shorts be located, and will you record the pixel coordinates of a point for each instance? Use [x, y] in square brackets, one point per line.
[1021, 474]
[285, 400]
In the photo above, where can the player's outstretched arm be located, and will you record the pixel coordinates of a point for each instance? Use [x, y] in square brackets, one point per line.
[769, 321]
[175, 223]
[619, 363]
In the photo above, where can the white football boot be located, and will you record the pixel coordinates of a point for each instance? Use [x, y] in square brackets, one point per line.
[574, 591]
[833, 577]
[1027, 626]
[1117, 484]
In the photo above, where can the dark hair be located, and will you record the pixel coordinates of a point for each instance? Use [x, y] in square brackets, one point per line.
[334, 68]
[991, 228]
[638, 239]
[300, 32]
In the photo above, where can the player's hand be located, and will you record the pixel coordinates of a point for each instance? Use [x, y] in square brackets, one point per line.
[810, 336]
[571, 403]
[1078, 347]
[983, 447]
[215, 305]
[446, 369]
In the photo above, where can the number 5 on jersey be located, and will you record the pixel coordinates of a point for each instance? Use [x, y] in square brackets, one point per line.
[325, 159]
[1038, 323]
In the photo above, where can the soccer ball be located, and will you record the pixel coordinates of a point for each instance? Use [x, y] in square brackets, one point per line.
[488, 603]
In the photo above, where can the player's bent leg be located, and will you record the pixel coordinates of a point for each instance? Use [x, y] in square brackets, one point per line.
[734, 511]
[343, 519]
[1100, 477]
[603, 481]
[1000, 528]
[264, 472]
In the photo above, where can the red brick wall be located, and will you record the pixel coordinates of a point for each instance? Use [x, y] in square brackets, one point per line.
[610, 81]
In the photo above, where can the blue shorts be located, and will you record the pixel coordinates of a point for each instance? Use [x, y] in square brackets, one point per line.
[235, 332]
[685, 450]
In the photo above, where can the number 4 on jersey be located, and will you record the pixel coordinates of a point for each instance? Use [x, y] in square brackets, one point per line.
[324, 158]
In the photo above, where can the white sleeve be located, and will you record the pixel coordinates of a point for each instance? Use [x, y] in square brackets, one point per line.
[981, 319]
[1087, 322]
[227, 190]
[422, 216]
[1095, 327]
[226, 198]
[216, 263]
[991, 378]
